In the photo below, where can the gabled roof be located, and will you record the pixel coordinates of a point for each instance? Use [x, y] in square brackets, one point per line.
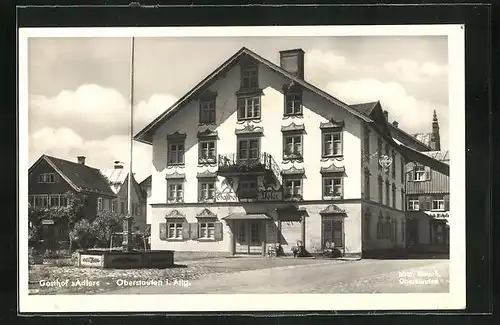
[79, 176]
[146, 182]
[115, 177]
[365, 108]
[443, 155]
[138, 189]
[415, 156]
[370, 107]
[401, 133]
[423, 137]
[145, 135]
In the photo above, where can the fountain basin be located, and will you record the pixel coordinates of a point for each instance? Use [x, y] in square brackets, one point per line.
[109, 259]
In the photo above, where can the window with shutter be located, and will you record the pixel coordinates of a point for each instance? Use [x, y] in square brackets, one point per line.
[421, 203]
[218, 231]
[185, 231]
[427, 173]
[163, 231]
[194, 230]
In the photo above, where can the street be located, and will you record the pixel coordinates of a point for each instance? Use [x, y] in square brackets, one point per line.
[319, 276]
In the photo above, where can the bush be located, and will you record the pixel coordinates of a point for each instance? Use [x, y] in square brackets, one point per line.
[82, 234]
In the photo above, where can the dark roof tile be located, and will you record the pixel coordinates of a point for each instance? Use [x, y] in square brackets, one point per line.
[85, 177]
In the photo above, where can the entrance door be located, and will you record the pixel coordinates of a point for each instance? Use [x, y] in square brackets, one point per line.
[333, 232]
[249, 235]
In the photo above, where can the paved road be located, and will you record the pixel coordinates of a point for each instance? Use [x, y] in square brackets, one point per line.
[365, 276]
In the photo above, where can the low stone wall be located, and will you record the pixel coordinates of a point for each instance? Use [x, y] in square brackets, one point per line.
[126, 260]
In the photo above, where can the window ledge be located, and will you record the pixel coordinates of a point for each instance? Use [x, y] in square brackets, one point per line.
[249, 119]
[207, 201]
[206, 239]
[175, 239]
[337, 157]
[293, 158]
[174, 202]
[249, 92]
[299, 115]
[332, 197]
[176, 164]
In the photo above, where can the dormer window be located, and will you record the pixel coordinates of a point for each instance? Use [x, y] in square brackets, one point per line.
[249, 78]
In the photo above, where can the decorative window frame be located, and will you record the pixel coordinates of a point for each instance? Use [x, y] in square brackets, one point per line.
[175, 178]
[329, 128]
[176, 138]
[289, 131]
[293, 178]
[207, 136]
[207, 180]
[206, 217]
[246, 96]
[330, 173]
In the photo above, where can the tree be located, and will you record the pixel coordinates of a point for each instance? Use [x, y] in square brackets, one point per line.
[62, 216]
[105, 224]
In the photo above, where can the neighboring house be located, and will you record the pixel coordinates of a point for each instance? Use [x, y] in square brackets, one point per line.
[428, 195]
[50, 178]
[146, 188]
[118, 181]
[268, 158]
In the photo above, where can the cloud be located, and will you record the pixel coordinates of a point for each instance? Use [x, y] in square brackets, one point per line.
[413, 115]
[93, 111]
[412, 71]
[66, 144]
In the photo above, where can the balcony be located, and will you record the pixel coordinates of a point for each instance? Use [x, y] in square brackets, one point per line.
[230, 164]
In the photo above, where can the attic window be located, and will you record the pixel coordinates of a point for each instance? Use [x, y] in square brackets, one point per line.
[47, 178]
[293, 102]
[249, 77]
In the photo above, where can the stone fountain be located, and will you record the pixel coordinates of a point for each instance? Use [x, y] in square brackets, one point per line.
[127, 257]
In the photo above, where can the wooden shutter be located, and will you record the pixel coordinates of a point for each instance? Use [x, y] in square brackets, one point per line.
[185, 230]
[163, 231]
[218, 231]
[194, 226]
[57, 178]
[421, 202]
[427, 173]
[428, 200]
[447, 202]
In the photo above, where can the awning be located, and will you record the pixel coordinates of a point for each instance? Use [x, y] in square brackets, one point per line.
[247, 216]
[420, 158]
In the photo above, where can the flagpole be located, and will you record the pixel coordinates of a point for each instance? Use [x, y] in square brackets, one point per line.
[131, 126]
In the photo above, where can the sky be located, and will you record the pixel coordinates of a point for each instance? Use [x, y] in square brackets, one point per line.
[79, 88]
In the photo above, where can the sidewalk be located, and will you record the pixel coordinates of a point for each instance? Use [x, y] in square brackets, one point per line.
[184, 270]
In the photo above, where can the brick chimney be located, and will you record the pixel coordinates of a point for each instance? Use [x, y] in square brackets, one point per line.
[118, 164]
[81, 159]
[395, 123]
[293, 62]
[386, 114]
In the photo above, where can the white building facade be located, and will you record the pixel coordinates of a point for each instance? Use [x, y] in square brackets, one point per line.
[254, 156]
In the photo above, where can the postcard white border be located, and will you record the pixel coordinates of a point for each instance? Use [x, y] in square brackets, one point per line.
[455, 299]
